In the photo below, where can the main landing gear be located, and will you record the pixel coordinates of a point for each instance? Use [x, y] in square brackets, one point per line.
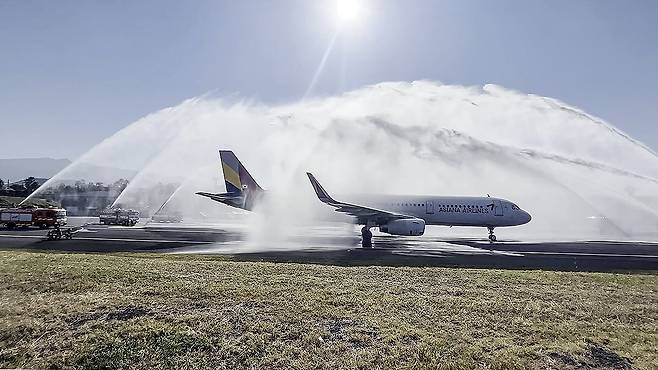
[366, 236]
[492, 237]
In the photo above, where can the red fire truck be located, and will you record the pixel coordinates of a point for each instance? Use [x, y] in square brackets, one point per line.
[32, 216]
[119, 216]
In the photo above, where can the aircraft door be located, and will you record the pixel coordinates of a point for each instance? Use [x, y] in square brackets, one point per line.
[429, 207]
[498, 208]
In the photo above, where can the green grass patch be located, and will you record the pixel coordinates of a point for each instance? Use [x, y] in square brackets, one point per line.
[126, 311]
[7, 201]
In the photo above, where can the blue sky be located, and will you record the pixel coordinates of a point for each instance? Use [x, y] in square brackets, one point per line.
[74, 72]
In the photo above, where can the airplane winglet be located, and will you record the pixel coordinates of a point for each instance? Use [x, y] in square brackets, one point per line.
[319, 190]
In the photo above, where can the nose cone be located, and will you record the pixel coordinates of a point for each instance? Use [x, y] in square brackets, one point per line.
[525, 217]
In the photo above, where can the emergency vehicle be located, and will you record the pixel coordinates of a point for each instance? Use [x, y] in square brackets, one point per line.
[119, 216]
[32, 216]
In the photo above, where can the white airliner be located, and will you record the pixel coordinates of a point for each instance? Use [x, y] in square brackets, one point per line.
[395, 215]
[408, 215]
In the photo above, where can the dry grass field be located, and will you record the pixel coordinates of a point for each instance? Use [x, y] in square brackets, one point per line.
[121, 311]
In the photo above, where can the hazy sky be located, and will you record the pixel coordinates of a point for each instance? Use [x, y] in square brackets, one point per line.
[74, 72]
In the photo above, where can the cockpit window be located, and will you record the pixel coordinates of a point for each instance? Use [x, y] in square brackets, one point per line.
[515, 207]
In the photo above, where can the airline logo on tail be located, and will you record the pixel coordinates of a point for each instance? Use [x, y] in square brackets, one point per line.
[231, 169]
[236, 176]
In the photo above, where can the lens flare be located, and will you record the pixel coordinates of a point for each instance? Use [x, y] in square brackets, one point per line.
[348, 11]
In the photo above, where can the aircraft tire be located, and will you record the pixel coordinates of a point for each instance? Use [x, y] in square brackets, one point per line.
[366, 235]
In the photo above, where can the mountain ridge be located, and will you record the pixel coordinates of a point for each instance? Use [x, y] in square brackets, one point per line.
[16, 169]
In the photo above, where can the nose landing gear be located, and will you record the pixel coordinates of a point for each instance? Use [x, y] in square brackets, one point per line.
[492, 237]
[366, 236]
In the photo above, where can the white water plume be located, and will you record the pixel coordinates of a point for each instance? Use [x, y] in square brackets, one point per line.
[576, 174]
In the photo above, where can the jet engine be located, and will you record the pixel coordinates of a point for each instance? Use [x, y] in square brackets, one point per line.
[408, 226]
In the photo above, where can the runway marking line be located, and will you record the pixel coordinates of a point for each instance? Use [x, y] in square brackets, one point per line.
[591, 254]
[22, 236]
[116, 239]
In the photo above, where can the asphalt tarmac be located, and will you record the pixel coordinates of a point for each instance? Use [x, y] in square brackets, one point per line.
[330, 246]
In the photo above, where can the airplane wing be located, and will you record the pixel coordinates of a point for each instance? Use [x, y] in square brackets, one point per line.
[364, 215]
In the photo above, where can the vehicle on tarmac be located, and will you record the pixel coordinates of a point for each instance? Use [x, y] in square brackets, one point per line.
[119, 216]
[58, 233]
[33, 216]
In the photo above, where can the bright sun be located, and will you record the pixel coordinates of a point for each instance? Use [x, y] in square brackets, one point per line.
[348, 11]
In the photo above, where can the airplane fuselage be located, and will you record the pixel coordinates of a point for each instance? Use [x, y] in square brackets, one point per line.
[450, 210]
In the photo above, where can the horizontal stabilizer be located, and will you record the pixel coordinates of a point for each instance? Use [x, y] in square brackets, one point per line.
[220, 197]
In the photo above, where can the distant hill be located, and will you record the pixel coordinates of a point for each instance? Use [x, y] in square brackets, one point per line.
[20, 168]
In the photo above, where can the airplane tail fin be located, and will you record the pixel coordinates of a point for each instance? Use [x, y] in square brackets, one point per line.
[236, 176]
[238, 180]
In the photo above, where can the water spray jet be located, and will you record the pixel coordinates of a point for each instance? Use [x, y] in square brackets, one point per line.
[396, 137]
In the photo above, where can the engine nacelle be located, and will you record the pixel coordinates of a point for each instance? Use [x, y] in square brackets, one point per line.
[409, 227]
